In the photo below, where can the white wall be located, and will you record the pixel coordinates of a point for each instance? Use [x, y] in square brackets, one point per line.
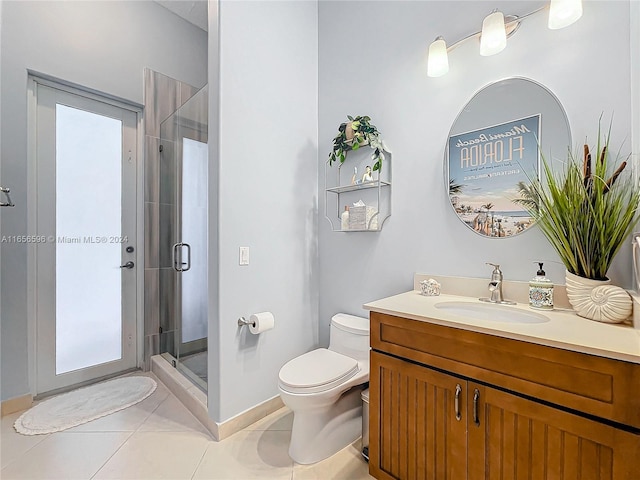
[267, 196]
[372, 60]
[99, 45]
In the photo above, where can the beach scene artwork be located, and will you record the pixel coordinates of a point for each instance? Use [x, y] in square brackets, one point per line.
[490, 172]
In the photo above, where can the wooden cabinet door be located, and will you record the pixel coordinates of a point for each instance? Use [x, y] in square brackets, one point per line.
[414, 430]
[514, 438]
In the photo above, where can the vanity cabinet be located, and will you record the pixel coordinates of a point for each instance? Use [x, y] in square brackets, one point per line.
[447, 403]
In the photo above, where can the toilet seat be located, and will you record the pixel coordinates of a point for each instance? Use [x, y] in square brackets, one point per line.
[316, 371]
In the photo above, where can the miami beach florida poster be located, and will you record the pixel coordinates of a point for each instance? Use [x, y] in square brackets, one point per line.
[489, 169]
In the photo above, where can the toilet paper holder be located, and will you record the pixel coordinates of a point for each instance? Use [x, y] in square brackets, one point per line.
[243, 321]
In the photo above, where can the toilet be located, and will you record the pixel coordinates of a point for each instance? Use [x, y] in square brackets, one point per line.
[323, 388]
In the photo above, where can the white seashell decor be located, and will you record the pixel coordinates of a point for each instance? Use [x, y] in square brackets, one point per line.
[597, 300]
[429, 288]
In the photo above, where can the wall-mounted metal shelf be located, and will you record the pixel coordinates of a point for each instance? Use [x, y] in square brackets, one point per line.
[344, 186]
[360, 186]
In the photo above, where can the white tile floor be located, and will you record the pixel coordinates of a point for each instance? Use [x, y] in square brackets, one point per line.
[159, 439]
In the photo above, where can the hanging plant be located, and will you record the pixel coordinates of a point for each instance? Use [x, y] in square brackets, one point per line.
[352, 135]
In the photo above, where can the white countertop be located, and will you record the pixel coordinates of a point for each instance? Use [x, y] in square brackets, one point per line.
[564, 330]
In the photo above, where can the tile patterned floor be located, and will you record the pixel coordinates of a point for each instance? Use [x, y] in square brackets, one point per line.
[159, 439]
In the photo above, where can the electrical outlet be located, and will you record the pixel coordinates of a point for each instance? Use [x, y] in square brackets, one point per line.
[244, 256]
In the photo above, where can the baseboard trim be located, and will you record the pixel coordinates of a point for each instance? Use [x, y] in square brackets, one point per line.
[16, 404]
[249, 417]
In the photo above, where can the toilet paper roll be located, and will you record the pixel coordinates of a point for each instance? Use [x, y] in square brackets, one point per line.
[261, 322]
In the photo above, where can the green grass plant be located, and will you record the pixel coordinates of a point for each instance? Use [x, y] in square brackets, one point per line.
[587, 210]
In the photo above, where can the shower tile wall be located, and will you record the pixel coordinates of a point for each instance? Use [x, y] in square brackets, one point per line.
[163, 95]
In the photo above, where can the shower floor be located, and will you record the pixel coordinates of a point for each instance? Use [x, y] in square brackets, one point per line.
[193, 367]
[197, 363]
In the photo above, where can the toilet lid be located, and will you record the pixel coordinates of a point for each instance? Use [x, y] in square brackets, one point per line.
[317, 371]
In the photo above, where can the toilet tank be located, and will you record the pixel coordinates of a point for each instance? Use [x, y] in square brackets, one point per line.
[349, 335]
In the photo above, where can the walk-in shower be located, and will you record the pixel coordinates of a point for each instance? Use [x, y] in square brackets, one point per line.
[183, 288]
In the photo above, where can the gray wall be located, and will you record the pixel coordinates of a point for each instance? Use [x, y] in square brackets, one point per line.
[99, 45]
[267, 197]
[372, 60]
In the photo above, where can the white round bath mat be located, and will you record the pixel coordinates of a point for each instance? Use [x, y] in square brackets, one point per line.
[83, 405]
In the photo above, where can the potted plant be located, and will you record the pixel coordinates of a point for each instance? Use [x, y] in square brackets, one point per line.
[587, 211]
[352, 135]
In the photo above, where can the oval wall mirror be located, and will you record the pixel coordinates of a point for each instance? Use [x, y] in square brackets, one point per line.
[492, 153]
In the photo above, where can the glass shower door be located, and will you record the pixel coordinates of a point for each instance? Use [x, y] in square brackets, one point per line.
[183, 237]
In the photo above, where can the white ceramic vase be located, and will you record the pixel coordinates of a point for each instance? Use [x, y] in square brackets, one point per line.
[597, 299]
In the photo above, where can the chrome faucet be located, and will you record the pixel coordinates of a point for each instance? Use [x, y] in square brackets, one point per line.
[495, 287]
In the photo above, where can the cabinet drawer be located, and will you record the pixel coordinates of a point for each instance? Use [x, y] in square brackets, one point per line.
[586, 383]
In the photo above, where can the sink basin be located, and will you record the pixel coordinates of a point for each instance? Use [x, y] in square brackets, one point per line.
[491, 312]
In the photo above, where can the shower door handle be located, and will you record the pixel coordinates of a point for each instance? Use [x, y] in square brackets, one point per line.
[188, 262]
[176, 267]
[178, 264]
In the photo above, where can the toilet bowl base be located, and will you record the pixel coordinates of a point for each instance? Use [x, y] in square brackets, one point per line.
[319, 433]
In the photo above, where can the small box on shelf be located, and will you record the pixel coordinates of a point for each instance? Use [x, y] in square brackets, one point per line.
[363, 218]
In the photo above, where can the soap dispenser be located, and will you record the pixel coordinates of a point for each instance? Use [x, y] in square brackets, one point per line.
[344, 218]
[541, 291]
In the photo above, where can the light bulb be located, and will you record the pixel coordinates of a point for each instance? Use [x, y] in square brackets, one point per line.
[493, 38]
[438, 60]
[563, 13]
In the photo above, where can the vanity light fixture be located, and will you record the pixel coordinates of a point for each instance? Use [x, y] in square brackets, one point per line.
[563, 13]
[496, 28]
[438, 61]
[493, 38]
